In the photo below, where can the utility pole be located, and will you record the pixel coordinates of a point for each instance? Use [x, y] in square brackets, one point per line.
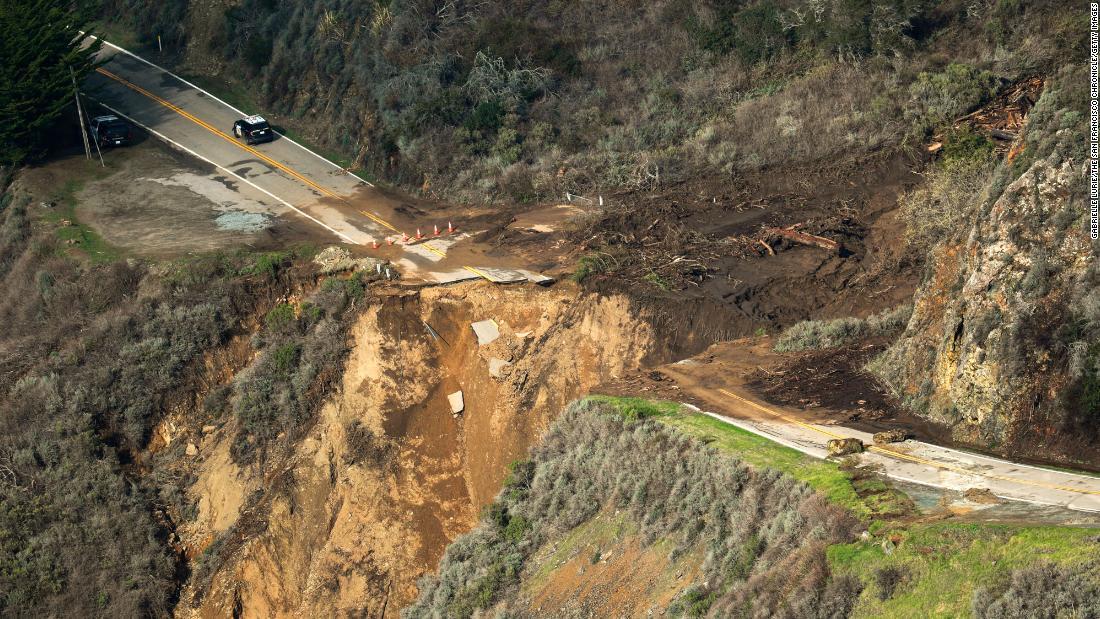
[80, 114]
[99, 151]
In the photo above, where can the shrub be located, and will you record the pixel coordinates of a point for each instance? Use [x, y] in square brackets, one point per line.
[943, 206]
[753, 33]
[268, 264]
[1045, 590]
[286, 357]
[282, 319]
[695, 601]
[937, 98]
[490, 79]
[754, 525]
[817, 334]
[279, 393]
[887, 579]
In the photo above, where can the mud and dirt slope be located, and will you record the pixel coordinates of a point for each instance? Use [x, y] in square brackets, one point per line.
[367, 502]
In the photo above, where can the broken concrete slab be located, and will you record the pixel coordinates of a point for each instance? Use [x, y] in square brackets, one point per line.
[496, 367]
[487, 331]
[511, 276]
[537, 278]
[456, 402]
[451, 277]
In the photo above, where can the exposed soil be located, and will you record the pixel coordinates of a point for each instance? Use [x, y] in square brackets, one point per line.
[600, 570]
[152, 201]
[829, 386]
[834, 380]
[345, 533]
[705, 239]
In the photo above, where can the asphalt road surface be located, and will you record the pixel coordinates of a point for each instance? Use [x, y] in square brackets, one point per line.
[344, 205]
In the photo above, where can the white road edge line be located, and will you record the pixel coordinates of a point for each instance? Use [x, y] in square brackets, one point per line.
[790, 444]
[208, 94]
[232, 173]
[977, 457]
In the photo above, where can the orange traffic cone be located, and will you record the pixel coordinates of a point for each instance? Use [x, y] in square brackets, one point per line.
[450, 228]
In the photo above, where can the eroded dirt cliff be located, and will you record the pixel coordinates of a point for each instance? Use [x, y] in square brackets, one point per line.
[368, 501]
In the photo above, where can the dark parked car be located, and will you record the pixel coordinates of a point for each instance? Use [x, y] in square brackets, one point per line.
[110, 130]
[253, 130]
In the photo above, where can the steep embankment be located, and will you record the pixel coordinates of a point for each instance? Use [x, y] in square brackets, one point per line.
[1002, 346]
[366, 502]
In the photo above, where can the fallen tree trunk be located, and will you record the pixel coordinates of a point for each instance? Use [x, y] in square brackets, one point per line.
[806, 239]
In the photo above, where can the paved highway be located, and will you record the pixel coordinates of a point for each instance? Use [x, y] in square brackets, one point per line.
[348, 207]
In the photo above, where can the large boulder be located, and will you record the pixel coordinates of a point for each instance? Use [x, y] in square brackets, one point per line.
[890, 436]
[844, 446]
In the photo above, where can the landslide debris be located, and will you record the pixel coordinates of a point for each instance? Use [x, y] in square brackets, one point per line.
[353, 512]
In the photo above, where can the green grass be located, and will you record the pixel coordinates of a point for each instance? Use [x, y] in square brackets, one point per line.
[821, 475]
[77, 235]
[116, 34]
[638, 408]
[946, 562]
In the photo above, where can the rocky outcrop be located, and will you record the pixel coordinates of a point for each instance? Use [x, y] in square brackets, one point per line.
[990, 348]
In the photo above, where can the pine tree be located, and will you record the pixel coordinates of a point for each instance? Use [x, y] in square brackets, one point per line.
[40, 43]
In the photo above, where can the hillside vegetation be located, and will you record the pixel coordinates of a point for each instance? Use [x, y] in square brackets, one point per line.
[724, 538]
[95, 353]
[755, 526]
[523, 101]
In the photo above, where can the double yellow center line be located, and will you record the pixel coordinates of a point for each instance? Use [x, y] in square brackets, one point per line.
[268, 160]
[905, 456]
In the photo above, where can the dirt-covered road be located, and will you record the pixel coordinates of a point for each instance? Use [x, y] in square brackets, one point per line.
[719, 383]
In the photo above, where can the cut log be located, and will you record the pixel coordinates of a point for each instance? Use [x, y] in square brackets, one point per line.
[803, 238]
[1016, 149]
